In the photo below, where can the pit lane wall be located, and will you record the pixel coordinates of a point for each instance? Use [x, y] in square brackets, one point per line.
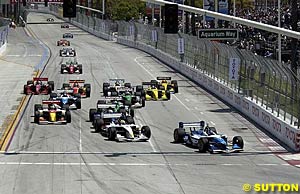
[286, 133]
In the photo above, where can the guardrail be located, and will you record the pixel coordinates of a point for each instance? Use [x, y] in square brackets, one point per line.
[4, 29]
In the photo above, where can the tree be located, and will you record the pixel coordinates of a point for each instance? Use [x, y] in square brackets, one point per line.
[124, 9]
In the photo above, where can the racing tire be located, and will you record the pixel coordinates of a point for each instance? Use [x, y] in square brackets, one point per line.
[88, 92]
[203, 145]
[127, 85]
[68, 116]
[105, 91]
[168, 95]
[78, 103]
[57, 43]
[98, 124]
[178, 135]
[146, 131]
[87, 85]
[91, 114]
[139, 88]
[53, 95]
[175, 88]
[51, 84]
[25, 89]
[80, 69]
[36, 117]
[65, 85]
[105, 84]
[174, 82]
[66, 107]
[29, 82]
[130, 120]
[239, 141]
[38, 107]
[143, 99]
[131, 112]
[112, 133]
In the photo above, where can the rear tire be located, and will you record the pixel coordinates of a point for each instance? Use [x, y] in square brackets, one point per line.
[178, 135]
[112, 133]
[36, 117]
[127, 85]
[146, 131]
[168, 95]
[68, 116]
[139, 88]
[91, 114]
[78, 103]
[98, 124]
[129, 120]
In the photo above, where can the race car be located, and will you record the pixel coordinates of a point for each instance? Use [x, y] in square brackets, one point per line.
[50, 20]
[107, 106]
[65, 26]
[205, 138]
[63, 42]
[67, 52]
[77, 88]
[115, 86]
[68, 35]
[156, 92]
[120, 131]
[165, 82]
[71, 68]
[51, 114]
[39, 86]
[67, 101]
[133, 99]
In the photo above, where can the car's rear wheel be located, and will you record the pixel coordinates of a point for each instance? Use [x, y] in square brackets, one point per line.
[179, 135]
[92, 112]
[78, 103]
[112, 133]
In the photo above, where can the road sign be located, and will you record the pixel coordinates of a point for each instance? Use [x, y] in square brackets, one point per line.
[180, 46]
[234, 66]
[154, 35]
[218, 34]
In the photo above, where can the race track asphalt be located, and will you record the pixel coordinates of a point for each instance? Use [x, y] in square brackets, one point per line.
[72, 159]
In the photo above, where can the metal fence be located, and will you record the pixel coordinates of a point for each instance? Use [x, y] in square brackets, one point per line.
[268, 82]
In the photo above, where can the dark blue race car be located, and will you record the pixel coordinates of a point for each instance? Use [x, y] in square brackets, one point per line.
[205, 138]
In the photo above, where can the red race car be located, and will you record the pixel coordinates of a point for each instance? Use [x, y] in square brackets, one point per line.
[63, 42]
[71, 68]
[84, 89]
[39, 86]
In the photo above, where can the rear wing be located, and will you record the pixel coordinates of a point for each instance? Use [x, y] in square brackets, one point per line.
[148, 83]
[111, 98]
[117, 80]
[76, 81]
[62, 91]
[105, 106]
[189, 124]
[50, 102]
[40, 79]
[112, 115]
[163, 78]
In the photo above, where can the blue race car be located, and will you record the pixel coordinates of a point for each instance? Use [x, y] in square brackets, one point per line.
[205, 138]
[67, 101]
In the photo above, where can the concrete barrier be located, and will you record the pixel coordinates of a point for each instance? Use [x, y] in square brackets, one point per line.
[282, 130]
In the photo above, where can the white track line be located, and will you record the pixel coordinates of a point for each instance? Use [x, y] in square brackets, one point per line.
[132, 164]
[80, 139]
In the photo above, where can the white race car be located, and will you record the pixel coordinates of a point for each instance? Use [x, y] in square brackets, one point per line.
[67, 52]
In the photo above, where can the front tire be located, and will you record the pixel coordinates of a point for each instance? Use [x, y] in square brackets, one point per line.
[178, 135]
[146, 131]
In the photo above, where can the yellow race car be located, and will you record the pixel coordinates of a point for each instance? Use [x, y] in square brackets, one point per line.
[167, 83]
[155, 92]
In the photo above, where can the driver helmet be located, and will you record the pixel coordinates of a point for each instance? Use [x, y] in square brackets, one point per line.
[153, 86]
[110, 110]
[65, 94]
[52, 107]
[164, 81]
[202, 124]
[127, 93]
[76, 84]
[122, 122]
[39, 82]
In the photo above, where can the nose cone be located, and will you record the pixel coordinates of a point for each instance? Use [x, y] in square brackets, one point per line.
[52, 116]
